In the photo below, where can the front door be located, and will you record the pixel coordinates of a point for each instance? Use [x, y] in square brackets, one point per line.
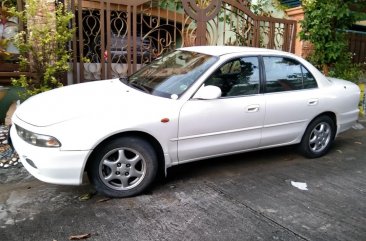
[228, 124]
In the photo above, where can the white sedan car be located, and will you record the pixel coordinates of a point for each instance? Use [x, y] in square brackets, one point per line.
[191, 104]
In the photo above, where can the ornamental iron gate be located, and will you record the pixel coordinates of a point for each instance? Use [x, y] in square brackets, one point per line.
[115, 38]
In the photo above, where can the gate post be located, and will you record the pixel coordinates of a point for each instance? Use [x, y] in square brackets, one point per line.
[297, 14]
[202, 14]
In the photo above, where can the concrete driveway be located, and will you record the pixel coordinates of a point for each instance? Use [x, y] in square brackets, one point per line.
[253, 196]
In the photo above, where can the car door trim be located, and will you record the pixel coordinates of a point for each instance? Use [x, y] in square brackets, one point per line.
[284, 123]
[215, 133]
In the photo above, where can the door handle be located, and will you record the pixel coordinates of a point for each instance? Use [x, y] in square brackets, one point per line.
[313, 101]
[253, 108]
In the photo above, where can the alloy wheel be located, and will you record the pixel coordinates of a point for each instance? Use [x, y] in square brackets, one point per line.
[122, 169]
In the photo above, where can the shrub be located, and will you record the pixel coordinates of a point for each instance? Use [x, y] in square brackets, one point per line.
[43, 49]
[324, 25]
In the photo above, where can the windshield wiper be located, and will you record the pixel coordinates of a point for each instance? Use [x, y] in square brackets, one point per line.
[124, 79]
[140, 87]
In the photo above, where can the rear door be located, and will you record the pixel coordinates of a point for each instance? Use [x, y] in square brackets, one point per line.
[292, 100]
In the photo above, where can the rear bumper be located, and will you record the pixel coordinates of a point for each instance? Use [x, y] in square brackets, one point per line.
[50, 164]
[346, 120]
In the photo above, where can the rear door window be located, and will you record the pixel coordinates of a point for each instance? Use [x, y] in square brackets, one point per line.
[286, 74]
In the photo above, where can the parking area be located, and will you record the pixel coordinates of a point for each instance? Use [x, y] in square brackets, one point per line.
[265, 195]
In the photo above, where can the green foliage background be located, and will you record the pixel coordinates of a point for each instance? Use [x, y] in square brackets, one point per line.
[324, 26]
[43, 48]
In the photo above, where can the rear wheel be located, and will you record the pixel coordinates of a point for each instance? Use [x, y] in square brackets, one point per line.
[123, 167]
[318, 137]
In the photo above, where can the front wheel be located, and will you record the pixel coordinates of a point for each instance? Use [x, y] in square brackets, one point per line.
[318, 137]
[123, 167]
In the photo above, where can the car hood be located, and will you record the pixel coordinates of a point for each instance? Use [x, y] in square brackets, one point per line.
[81, 100]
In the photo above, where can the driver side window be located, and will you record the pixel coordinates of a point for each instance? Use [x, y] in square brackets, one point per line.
[237, 77]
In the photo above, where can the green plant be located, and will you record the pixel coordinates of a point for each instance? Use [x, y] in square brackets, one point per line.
[345, 69]
[263, 7]
[43, 49]
[260, 7]
[171, 4]
[4, 55]
[9, 3]
[324, 25]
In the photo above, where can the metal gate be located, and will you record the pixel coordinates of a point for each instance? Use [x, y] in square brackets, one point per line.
[357, 46]
[115, 38]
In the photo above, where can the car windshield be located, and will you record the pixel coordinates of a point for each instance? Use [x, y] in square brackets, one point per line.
[171, 75]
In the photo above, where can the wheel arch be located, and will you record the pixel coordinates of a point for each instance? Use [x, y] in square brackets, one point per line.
[143, 135]
[314, 146]
[330, 114]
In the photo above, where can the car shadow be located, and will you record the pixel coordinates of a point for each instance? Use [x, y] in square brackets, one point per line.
[240, 162]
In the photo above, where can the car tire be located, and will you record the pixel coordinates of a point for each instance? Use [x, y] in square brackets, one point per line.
[318, 137]
[123, 167]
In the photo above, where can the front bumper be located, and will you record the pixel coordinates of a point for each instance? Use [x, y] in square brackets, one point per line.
[50, 165]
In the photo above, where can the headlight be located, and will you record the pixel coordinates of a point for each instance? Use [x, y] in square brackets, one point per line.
[37, 139]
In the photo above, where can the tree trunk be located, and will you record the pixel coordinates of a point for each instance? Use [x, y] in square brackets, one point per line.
[326, 69]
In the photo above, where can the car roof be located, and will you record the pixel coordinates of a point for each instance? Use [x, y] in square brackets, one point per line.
[222, 50]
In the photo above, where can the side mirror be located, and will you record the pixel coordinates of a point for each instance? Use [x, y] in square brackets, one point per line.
[208, 92]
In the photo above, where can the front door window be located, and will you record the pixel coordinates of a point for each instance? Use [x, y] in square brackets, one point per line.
[237, 77]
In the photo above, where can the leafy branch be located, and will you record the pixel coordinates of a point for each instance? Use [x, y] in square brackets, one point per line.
[324, 26]
[43, 49]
